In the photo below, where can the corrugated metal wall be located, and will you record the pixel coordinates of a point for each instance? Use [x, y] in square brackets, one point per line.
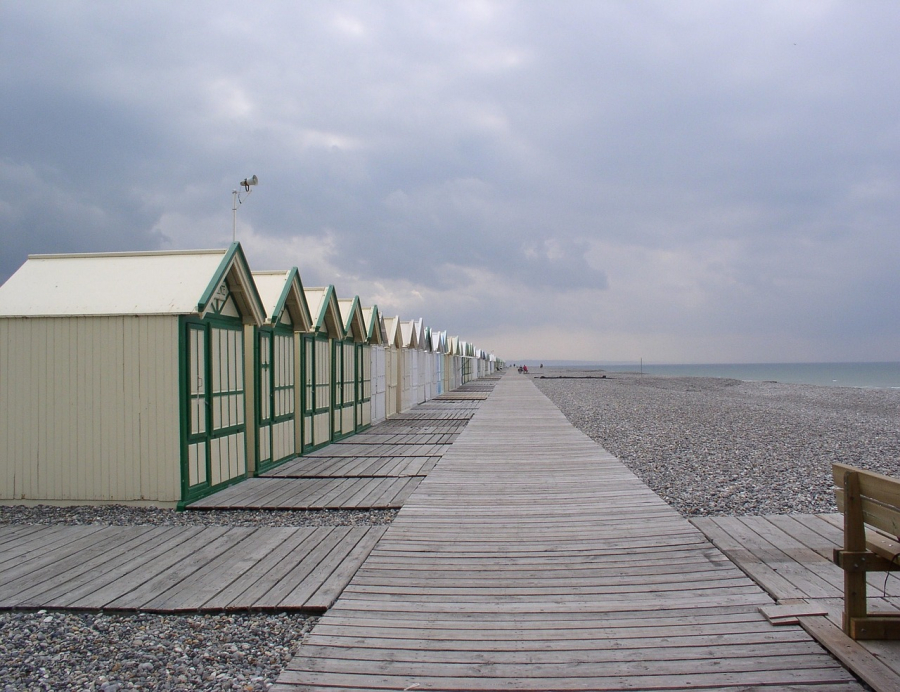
[89, 409]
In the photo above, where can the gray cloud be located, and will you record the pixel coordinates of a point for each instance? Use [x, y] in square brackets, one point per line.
[705, 181]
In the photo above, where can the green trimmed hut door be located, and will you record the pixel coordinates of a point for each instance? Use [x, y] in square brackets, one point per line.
[276, 400]
[363, 386]
[309, 392]
[316, 392]
[344, 389]
[216, 426]
[198, 408]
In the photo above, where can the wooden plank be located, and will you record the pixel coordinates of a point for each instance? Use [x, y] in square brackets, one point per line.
[188, 558]
[275, 596]
[194, 590]
[852, 654]
[70, 575]
[250, 589]
[331, 587]
[122, 574]
[733, 547]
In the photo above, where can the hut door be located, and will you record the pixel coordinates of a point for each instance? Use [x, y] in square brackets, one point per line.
[276, 400]
[198, 408]
[265, 400]
[228, 458]
[216, 426]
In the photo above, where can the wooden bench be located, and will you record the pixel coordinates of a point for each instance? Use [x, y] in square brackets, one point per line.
[871, 506]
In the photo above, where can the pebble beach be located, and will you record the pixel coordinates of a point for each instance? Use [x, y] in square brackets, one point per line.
[707, 446]
[714, 446]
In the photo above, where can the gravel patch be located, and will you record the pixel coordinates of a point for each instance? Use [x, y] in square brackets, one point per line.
[712, 446]
[118, 515]
[94, 651]
[114, 652]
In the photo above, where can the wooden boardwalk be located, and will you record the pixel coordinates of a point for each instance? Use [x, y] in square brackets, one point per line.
[176, 569]
[375, 469]
[790, 557]
[532, 559]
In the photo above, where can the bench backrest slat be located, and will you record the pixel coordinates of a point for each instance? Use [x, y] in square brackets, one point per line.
[879, 497]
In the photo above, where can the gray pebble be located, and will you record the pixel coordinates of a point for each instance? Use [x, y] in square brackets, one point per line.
[117, 652]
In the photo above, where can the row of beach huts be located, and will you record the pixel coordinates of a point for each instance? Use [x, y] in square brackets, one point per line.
[156, 378]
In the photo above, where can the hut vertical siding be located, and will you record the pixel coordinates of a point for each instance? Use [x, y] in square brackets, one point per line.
[90, 409]
[379, 383]
[391, 377]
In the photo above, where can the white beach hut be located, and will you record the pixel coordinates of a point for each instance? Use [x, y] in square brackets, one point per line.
[426, 373]
[454, 364]
[352, 368]
[279, 367]
[327, 329]
[438, 348]
[124, 376]
[377, 338]
[393, 365]
[409, 364]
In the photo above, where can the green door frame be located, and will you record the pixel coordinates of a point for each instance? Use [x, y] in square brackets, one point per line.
[273, 391]
[197, 400]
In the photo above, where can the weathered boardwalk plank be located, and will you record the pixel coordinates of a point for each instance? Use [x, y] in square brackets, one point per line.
[532, 559]
[195, 569]
[790, 557]
[376, 469]
[318, 493]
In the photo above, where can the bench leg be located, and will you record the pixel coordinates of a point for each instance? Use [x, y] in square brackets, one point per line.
[854, 541]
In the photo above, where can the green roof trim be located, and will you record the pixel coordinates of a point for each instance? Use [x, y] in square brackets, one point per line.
[329, 299]
[234, 257]
[293, 273]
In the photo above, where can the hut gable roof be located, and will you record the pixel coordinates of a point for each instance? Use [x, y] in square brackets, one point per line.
[439, 342]
[408, 334]
[375, 332]
[354, 325]
[392, 329]
[283, 291]
[421, 341]
[131, 283]
[324, 310]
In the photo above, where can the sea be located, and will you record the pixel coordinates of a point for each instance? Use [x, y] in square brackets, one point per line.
[867, 375]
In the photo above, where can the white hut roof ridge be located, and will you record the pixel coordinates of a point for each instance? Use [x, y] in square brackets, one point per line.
[121, 283]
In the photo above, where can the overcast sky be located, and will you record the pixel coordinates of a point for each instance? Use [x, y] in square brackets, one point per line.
[674, 181]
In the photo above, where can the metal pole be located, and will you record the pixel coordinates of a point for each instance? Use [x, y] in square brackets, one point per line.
[233, 215]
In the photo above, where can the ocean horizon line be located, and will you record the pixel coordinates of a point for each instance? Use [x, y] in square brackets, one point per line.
[862, 374]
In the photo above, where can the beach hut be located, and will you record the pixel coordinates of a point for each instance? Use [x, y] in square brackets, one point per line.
[438, 347]
[352, 392]
[454, 363]
[327, 329]
[393, 366]
[465, 353]
[423, 383]
[124, 376]
[409, 364]
[279, 421]
[426, 364]
[377, 338]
